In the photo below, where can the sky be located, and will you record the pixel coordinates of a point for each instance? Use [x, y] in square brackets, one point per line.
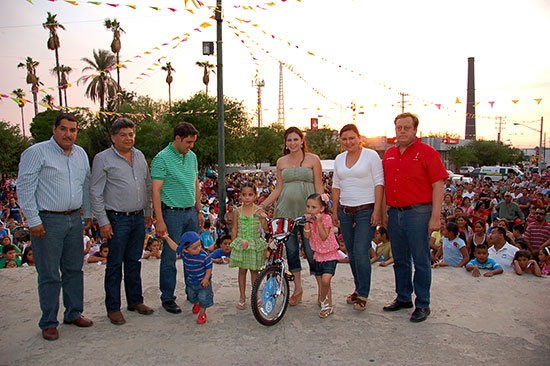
[335, 53]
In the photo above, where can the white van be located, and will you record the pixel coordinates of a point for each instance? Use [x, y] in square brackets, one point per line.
[496, 173]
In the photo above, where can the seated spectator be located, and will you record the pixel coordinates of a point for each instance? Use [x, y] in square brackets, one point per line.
[8, 255]
[6, 240]
[100, 257]
[499, 250]
[222, 255]
[453, 248]
[464, 226]
[3, 230]
[544, 257]
[538, 232]
[519, 240]
[15, 211]
[342, 251]
[523, 263]
[206, 237]
[435, 239]
[27, 260]
[479, 237]
[382, 253]
[482, 261]
[152, 249]
[479, 213]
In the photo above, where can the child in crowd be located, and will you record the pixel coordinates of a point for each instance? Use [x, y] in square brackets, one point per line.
[479, 237]
[100, 257]
[325, 246]
[152, 249]
[435, 239]
[27, 259]
[198, 267]
[247, 247]
[544, 257]
[453, 248]
[342, 251]
[464, 226]
[518, 232]
[482, 261]
[207, 239]
[523, 263]
[382, 253]
[222, 255]
[9, 259]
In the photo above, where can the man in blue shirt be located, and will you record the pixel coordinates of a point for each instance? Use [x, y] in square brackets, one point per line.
[53, 186]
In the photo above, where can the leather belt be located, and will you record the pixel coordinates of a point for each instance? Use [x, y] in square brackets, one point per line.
[411, 206]
[70, 212]
[164, 206]
[355, 209]
[133, 213]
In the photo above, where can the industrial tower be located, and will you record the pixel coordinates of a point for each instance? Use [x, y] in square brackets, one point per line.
[470, 133]
[281, 118]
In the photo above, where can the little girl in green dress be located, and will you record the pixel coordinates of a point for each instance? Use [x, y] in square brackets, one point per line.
[247, 244]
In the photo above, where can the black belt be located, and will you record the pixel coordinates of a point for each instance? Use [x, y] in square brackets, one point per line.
[355, 209]
[164, 206]
[133, 213]
[70, 212]
[411, 206]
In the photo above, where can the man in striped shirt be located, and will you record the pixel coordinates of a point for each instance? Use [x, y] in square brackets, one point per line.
[538, 232]
[53, 186]
[176, 202]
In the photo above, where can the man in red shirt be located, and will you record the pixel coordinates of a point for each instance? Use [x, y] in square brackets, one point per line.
[538, 232]
[414, 177]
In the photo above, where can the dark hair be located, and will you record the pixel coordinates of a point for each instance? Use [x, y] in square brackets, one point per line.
[546, 251]
[7, 248]
[103, 246]
[120, 124]
[452, 227]
[69, 117]
[150, 242]
[297, 131]
[25, 253]
[185, 129]
[482, 223]
[207, 224]
[406, 115]
[481, 246]
[502, 231]
[382, 230]
[317, 196]
[349, 127]
[248, 185]
[520, 228]
[522, 253]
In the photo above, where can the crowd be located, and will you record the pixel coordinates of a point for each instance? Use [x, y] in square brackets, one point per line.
[170, 211]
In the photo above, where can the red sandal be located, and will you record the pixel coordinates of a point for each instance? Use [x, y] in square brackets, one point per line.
[352, 299]
[360, 304]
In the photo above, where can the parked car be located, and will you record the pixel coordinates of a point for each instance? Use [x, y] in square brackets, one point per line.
[496, 173]
[458, 177]
[475, 173]
[466, 170]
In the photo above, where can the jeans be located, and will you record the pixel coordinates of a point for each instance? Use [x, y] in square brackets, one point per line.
[177, 222]
[126, 246]
[358, 233]
[204, 296]
[293, 251]
[62, 248]
[408, 232]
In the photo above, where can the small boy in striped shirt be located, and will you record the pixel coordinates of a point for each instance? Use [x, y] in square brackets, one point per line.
[198, 272]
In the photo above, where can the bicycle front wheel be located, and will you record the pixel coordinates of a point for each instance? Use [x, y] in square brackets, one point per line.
[270, 296]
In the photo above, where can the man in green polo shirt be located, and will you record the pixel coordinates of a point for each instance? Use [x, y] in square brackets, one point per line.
[176, 202]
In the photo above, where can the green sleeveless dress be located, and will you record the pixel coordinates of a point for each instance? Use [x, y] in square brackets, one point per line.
[251, 257]
[297, 186]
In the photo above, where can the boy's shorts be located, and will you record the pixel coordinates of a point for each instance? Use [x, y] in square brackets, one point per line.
[322, 268]
[202, 295]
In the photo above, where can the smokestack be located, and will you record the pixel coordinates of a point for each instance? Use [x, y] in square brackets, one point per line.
[470, 133]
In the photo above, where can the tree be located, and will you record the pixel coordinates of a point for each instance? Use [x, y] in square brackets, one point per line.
[63, 71]
[169, 69]
[101, 85]
[19, 94]
[48, 99]
[463, 155]
[41, 125]
[266, 143]
[114, 26]
[13, 145]
[30, 65]
[52, 25]
[485, 153]
[323, 142]
[207, 66]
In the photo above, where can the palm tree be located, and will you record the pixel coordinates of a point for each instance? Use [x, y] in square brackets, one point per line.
[169, 69]
[207, 68]
[48, 99]
[32, 79]
[19, 94]
[63, 71]
[53, 43]
[102, 85]
[114, 26]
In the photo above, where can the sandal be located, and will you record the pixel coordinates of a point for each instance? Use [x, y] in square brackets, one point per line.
[296, 298]
[360, 304]
[352, 299]
[326, 309]
[241, 305]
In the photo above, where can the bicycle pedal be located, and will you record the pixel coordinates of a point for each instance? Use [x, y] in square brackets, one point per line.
[289, 276]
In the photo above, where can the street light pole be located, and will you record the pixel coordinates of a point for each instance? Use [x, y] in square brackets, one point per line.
[540, 148]
[220, 111]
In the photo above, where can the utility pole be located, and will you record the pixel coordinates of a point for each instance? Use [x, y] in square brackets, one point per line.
[540, 148]
[403, 101]
[281, 111]
[220, 112]
[500, 128]
[259, 84]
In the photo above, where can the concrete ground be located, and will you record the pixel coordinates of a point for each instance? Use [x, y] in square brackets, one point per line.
[502, 320]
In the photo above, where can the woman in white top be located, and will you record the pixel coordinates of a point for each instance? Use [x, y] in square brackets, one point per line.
[357, 195]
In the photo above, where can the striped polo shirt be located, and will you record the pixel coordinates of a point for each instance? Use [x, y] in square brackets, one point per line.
[179, 174]
[196, 266]
[537, 234]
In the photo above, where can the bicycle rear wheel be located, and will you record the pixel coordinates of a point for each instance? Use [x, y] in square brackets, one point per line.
[270, 296]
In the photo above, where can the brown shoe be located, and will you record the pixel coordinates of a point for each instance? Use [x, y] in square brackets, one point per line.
[50, 334]
[116, 318]
[80, 322]
[141, 308]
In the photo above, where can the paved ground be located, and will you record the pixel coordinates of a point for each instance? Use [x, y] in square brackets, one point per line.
[502, 320]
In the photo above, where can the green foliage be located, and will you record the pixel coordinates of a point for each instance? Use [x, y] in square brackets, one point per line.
[13, 145]
[42, 124]
[268, 145]
[323, 142]
[485, 153]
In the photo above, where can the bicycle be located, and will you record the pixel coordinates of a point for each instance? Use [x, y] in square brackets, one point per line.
[270, 293]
